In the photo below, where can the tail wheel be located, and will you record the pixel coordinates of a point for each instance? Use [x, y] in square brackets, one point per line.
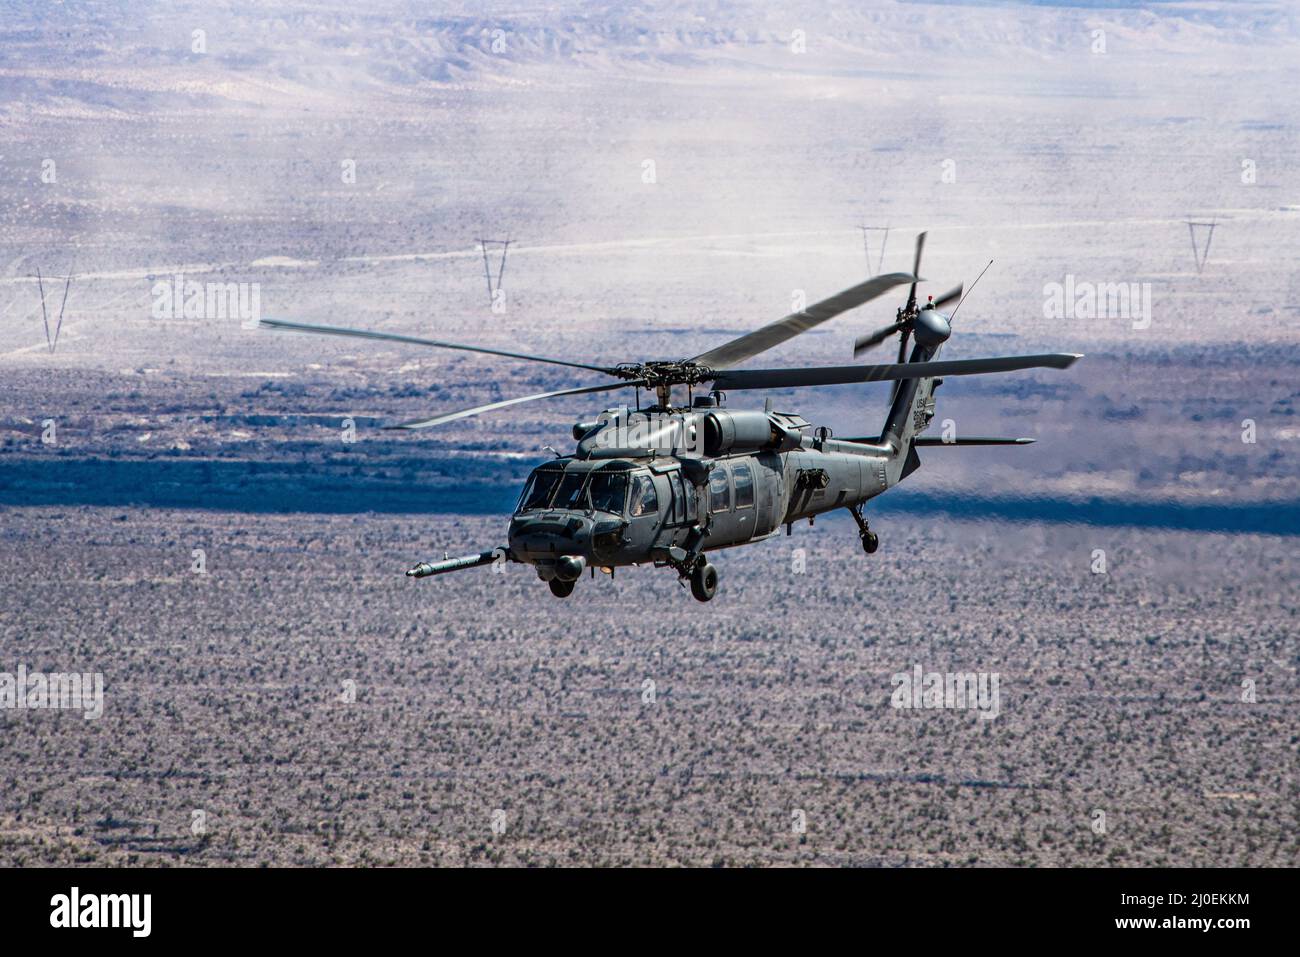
[704, 582]
[561, 589]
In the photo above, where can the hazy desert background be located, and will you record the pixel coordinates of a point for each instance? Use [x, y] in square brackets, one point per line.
[997, 127]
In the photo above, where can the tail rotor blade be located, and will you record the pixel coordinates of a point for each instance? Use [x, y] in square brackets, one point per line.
[972, 288]
[949, 296]
[864, 343]
[916, 270]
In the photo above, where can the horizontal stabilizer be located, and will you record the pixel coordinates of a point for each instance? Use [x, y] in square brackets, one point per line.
[927, 441]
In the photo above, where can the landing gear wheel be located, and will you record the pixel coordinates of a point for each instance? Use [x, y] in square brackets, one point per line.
[561, 589]
[869, 540]
[704, 582]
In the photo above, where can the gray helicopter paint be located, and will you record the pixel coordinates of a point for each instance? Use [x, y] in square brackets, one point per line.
[789, 470]
[821, 475]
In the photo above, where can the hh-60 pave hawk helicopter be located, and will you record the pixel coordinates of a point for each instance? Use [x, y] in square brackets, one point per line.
[666, 485]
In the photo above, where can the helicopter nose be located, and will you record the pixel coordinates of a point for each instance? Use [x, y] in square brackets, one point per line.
[549, 535]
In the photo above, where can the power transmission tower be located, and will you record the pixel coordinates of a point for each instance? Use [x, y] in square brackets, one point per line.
[494, 286]
[52, 343]
[866, 245]
[1201, 257]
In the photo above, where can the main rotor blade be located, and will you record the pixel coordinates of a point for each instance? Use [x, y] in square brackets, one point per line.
[775, 333]
[466, 413]
[837, 375]
[395, 337]
[863, 343]
[953, 315]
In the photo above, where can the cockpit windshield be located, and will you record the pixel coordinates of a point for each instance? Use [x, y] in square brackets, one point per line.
[604, 491]
[541, 485]
[569, 494]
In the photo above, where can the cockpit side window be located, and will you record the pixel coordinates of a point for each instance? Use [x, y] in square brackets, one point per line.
[540, 486]
[608, 492]
[644, 499]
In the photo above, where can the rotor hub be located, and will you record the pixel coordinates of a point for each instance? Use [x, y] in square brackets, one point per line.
[665, 373]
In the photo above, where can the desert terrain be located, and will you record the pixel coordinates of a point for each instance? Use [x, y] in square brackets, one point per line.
[670, 175]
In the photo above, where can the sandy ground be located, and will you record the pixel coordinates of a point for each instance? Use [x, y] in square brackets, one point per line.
[670, 175]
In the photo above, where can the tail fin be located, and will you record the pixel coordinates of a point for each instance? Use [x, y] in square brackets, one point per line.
[911, 408]
[913, 403]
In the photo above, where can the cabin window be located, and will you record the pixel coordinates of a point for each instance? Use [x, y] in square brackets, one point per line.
[719, 490]
[644, 499]
[744, 480]
[680, 512]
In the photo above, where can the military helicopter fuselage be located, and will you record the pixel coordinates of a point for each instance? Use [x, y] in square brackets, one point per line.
[666, 485]
[754, 472]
